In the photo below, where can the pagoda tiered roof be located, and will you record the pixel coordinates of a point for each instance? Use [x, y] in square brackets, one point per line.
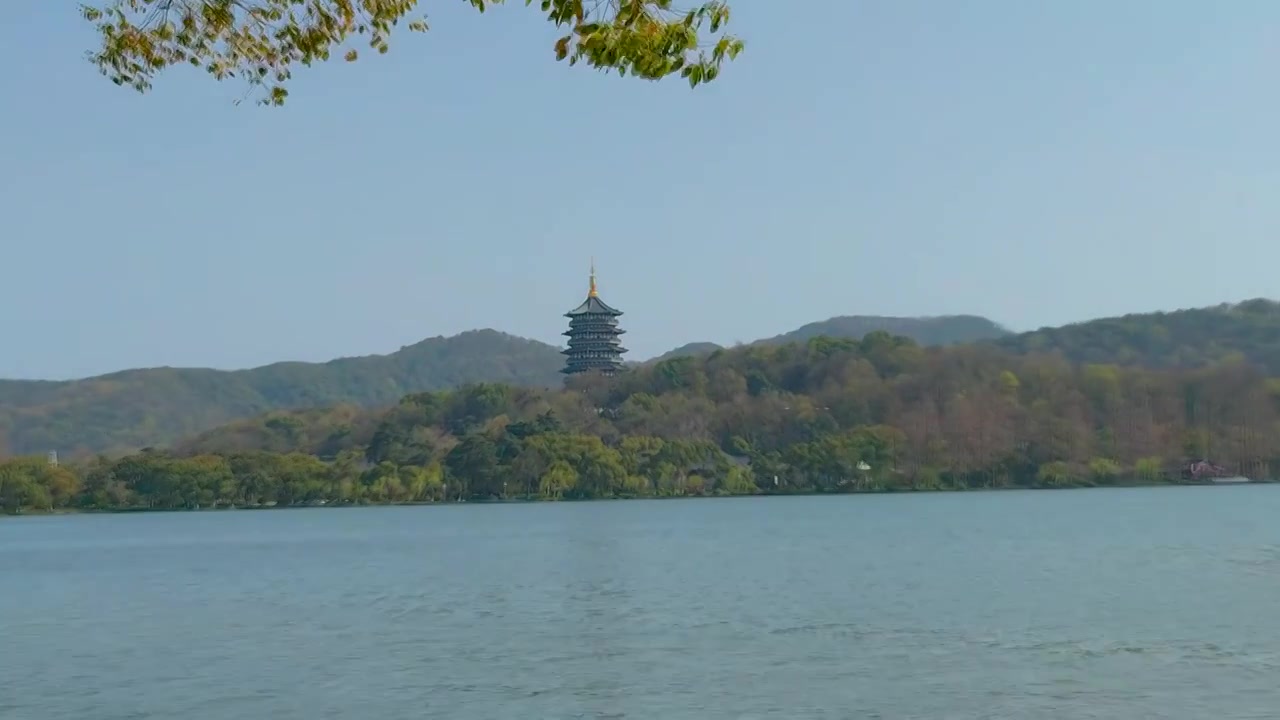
[593, 305]
[593, 335]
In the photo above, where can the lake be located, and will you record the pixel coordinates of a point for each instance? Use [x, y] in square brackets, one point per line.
[1133, 604]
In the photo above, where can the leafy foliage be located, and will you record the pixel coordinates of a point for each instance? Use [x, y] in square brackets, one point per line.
[828, 416]
[263, 41]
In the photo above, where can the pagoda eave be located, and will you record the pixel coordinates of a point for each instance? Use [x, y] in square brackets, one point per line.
[577, 350]
[572, 333]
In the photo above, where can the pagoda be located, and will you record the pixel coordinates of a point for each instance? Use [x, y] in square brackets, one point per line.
[593, 335]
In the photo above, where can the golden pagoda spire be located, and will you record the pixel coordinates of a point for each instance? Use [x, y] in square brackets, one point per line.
[592, 291]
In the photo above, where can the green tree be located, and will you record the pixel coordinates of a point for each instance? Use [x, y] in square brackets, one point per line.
[473, 464]
[1149, 469]
[1056, 474]
[557, 480]
[263, 41]
[21, 487]
[737, 480]
[102, 489]
[1104, 471]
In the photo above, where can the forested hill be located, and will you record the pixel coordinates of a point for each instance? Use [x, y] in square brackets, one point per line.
[1190, 338]
[942, 330]
[688, 349]
[153, 407]
[139, 408]
[827, 416]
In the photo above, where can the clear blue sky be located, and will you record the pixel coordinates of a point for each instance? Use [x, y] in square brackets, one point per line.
[1037, 163]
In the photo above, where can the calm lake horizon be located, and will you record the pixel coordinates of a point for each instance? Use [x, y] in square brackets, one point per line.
[1151, 602]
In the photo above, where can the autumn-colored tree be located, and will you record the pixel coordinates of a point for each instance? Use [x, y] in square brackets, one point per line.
[263, 41]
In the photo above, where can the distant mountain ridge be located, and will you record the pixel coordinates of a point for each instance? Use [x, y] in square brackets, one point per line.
[938, 330]
[138, 408]
[1192, 337]
[150, 407]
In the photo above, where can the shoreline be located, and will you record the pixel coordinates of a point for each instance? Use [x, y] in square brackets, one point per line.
[535, 501]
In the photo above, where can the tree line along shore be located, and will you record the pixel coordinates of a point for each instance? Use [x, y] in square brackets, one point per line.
[825, 416]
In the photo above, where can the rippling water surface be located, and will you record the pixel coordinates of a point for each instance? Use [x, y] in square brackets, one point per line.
[1118, 604]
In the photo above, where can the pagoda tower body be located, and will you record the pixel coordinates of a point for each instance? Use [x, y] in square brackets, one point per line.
[594, 336]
